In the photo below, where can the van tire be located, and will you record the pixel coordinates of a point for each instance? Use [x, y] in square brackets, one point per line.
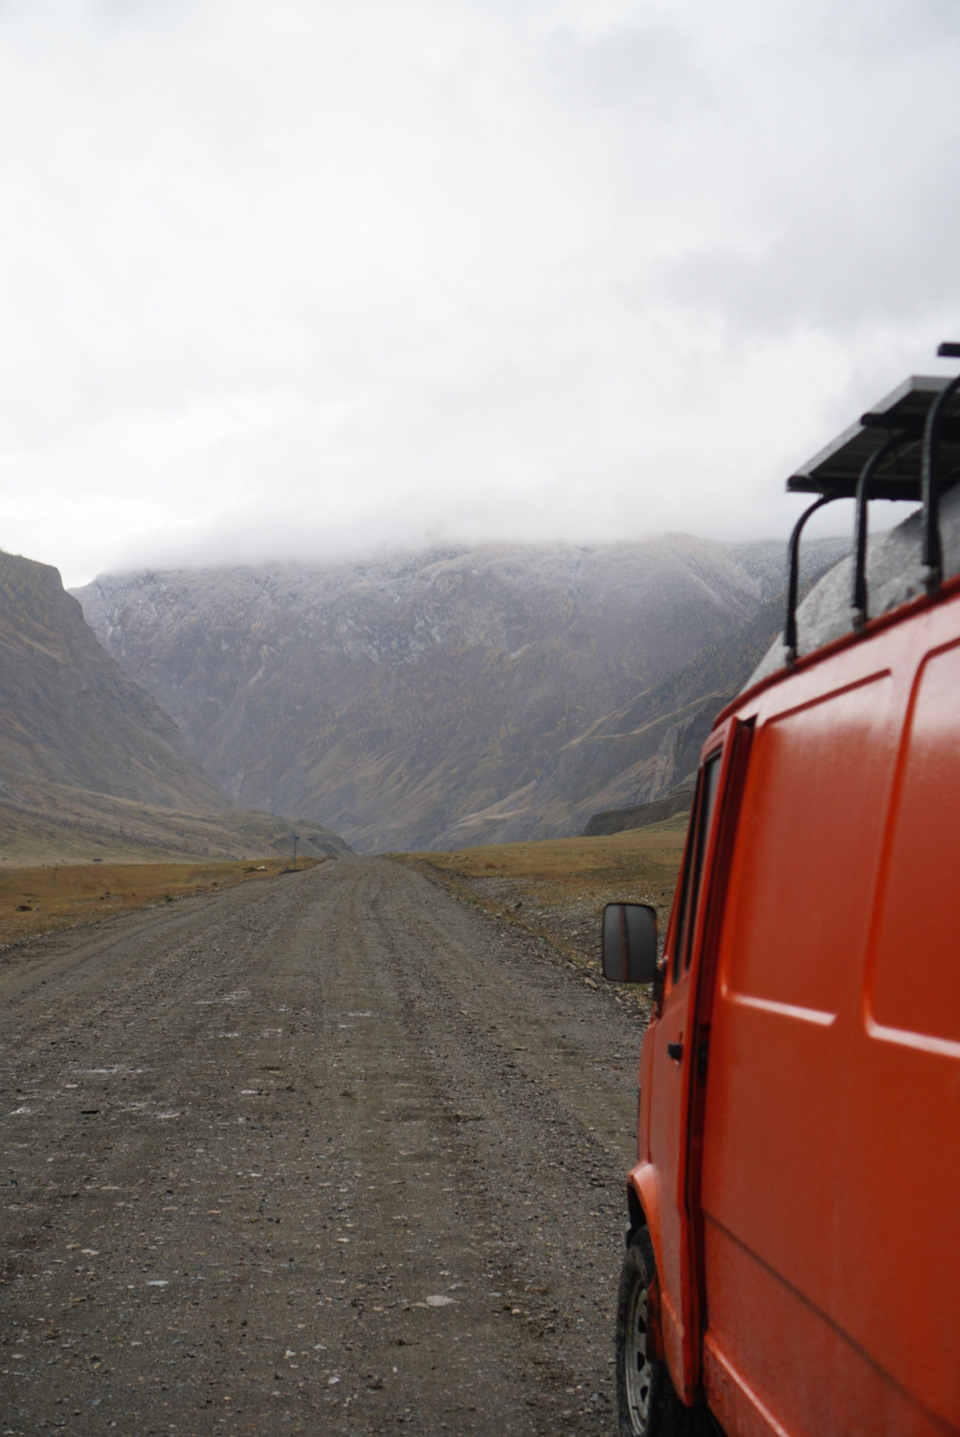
[647, 1403]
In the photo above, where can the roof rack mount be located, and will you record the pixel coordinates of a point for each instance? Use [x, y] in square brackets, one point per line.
[906, 448]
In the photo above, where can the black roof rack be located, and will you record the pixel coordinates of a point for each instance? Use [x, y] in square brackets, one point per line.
[907, 447]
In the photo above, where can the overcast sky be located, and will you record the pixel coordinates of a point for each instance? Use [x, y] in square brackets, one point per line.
[299, 278]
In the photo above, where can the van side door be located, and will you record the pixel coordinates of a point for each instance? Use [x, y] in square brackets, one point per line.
[778, 1133]
[678, 1059]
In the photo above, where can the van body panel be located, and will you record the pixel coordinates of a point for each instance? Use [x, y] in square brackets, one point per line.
[902, 1155]
[830, 1182]
[645, 1182]
[821, 1386]
[644, 1088]
[799, 1120]
[734, 1403]
[667, 1150]
[669, 1068]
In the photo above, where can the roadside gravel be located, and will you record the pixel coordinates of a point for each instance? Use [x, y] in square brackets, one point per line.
[333, 1153]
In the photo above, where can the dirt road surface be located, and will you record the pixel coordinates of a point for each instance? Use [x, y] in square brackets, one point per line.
[335, 1153]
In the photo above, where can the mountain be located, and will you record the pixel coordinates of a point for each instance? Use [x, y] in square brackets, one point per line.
[87, 757]
[662, 732]
[642, 815]
[424, 700]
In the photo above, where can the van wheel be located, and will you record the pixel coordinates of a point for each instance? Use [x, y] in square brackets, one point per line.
[647, 1403]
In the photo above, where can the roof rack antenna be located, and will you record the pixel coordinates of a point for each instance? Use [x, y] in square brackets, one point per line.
[932, 556]
[889, 447]
[793, 579]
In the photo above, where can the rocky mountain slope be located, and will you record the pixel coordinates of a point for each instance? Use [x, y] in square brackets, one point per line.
[637, 764]
[87, 757]
[427, 700]
[661, 733]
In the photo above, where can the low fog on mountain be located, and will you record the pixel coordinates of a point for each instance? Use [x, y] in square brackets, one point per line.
[451, 698]
[407, 390]
[313, 282]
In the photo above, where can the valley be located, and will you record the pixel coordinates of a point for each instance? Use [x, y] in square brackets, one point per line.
[93, 768]
[555, 889]
[451, 698]
[340, 1148]
[329, 1151]
[37, 901]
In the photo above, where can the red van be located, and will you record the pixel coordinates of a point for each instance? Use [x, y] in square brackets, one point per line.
[793, 1250]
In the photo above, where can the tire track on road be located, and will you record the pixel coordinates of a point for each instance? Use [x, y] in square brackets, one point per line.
[319, 1153]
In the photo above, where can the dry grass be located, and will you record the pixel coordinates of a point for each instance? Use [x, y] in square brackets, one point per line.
[38, 900]
[556, 889]
[55, 824]
[641, 858]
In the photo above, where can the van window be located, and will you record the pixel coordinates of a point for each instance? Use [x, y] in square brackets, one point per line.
[711, 775]
[703, 812]
[681, 928]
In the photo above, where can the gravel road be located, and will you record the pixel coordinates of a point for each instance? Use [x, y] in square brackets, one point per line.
[330, 1152]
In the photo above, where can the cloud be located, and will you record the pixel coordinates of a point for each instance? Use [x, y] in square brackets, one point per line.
[304, 278]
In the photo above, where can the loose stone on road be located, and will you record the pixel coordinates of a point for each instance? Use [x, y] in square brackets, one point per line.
[334, 1152]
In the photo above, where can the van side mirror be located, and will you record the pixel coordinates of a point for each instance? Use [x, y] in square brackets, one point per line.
[629, 943]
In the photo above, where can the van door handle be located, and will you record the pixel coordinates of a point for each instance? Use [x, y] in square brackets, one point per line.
[675, 1051]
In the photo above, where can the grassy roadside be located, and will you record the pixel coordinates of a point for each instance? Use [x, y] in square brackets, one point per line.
[40, 900]
[557, 888]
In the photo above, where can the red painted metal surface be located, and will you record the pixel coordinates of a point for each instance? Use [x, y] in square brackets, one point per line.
[803, 1154]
